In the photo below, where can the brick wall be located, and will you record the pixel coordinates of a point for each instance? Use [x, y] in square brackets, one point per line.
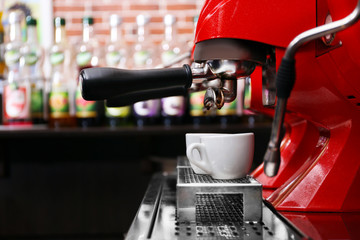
[74, 10]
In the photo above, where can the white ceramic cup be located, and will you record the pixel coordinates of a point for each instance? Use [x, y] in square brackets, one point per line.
[191, 138]
[227, 156]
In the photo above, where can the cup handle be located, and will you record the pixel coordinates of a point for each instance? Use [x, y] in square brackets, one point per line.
[201, 163]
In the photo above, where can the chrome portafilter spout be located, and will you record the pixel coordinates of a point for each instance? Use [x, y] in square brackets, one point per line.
[215, 97]
[228, 71]
[285, 81]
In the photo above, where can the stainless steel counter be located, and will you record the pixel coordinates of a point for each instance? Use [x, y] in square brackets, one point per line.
[222, 219]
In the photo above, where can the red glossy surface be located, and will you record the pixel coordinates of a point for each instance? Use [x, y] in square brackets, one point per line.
[320, 166]
[255, 20]
[323, 226]
[300, 145]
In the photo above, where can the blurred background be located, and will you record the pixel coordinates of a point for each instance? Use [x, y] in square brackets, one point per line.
[74, 10]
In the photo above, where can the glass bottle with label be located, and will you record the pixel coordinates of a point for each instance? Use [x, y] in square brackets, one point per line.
[117, 56]
[172, 108]
[31, 61]
[62, 88]
[2, 60]
[16, 96]
[197, 112]
[2, 38]
[88, 113]
[145, 112]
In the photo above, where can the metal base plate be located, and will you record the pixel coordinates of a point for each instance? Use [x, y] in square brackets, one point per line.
[157, 218]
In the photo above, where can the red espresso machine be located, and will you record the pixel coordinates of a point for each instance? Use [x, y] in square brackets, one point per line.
[302, 60]
[320, 147]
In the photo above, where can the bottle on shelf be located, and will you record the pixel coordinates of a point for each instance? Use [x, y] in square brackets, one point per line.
[173, 109]
[17, 91]
[2, 60]
[191, 42]
[62, 85]
[197, 112]
[88, 113]
[228, 113]
[199, 115]
[145, 112]
[117, 57]
[31, 62]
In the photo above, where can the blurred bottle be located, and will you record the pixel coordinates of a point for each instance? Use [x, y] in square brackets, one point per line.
[17, 91]
[2, 60]
[172, 108]
[62, 87]
[228, 113]
[117, 56]
[88, 113]
[145, 112]
[2, 38]
[197, 112]
[191, 42]
[31, 62]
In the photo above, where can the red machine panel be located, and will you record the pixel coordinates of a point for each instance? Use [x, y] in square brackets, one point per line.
[320, 153]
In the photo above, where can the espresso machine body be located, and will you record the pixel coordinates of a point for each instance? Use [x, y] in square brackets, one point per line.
[319, 153]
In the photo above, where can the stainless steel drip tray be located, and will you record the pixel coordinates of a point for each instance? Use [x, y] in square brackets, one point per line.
[194, 192]
[219, 217]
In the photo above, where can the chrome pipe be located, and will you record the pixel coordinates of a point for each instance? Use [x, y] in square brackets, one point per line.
[272, 155]
[321, 31]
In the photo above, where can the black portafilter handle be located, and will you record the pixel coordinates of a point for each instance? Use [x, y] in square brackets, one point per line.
[133, 97]
[105, 83]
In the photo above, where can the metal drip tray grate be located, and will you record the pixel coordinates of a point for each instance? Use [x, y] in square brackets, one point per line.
[220, 208]
[191, 177]
[219, 216]
[218, 232]
[223, 231]
[191, 186]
